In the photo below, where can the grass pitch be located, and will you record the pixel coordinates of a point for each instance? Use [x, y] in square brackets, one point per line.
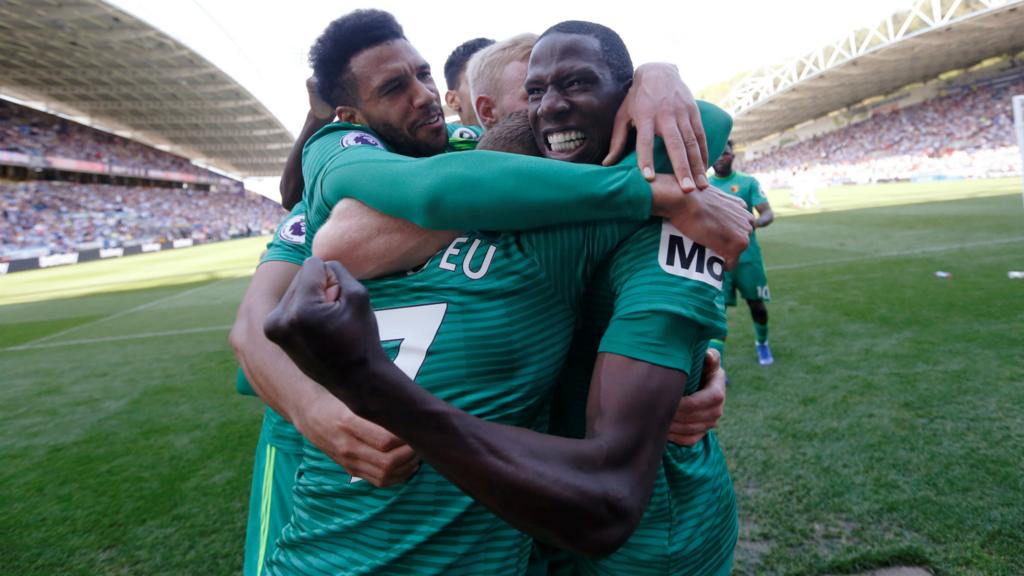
[890, 430]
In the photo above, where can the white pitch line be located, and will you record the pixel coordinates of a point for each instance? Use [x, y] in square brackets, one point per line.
[884, 255]
[117, 338]
[120, 314]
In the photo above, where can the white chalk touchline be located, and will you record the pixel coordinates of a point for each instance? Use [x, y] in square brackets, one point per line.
[33, 346]
[120, 314]
[945, 248]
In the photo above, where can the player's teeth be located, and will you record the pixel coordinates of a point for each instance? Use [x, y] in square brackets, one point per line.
[565, 141]
[557, 137]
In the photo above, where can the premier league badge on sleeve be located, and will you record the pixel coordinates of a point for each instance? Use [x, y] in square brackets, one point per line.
[360, 139]
[294, 230]
[464, 133]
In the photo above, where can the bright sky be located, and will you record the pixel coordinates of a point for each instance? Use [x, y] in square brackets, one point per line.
[263, 45]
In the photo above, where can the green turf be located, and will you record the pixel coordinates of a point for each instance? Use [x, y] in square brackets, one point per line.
[890, 431]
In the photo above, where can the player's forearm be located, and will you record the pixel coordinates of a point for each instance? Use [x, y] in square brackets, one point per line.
[370, 244]
[582, 495]
[269, 370]
[277, 381]
[292, 182]
[491, 191]
[764, 218]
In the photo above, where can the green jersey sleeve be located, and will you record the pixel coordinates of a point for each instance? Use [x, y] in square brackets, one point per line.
[469, 190]
[656, 338]
[289, 241]
[756, 194]
[662, 278]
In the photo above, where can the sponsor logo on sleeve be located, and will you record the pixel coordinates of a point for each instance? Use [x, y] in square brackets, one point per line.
[294, 230]
[680, 256]
[464, 133]
[360, 139]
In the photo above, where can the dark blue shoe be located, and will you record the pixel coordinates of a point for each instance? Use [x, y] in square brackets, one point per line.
[764, 354]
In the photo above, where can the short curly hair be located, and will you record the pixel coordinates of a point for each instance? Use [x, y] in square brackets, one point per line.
[457, 60]
[345, 37]
[613, 49]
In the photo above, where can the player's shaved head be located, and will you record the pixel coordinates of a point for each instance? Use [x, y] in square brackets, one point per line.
[613, 49]
[343, 39]
[513, 135]
[578, 76]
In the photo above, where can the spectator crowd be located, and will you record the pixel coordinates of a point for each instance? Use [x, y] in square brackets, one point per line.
[45, 217]
[966, 132]
[36, 133]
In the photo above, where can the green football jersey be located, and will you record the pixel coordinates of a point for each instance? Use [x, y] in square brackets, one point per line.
[749, 190]
[658, 299]
[484, 325]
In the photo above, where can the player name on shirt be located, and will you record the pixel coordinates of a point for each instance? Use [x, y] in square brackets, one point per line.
[681, 256]
[457, 253]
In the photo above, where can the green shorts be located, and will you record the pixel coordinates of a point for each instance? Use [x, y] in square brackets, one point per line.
[750, 279]
[270, 501]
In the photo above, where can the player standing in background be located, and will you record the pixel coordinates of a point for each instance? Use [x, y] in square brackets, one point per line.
[749, 276]
[458, 97]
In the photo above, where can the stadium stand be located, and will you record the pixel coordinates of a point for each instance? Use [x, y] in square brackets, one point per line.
[966, 131]
[40, 135]
[76, 188]
[41, 218]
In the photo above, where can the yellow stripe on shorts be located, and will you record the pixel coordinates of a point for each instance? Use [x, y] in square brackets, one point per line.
[268, 495]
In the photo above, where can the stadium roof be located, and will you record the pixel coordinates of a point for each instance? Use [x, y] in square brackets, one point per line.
[87, 58]
[915, 45]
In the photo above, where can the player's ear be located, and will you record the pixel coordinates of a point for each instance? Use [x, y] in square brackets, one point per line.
[350, 115]
[451, 98]
[484, 108]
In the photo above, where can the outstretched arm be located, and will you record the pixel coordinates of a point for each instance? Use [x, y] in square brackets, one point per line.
[584, 495]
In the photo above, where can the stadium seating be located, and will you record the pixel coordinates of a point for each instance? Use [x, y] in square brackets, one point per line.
[43, 217]
[965, 132]
[36, 133]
